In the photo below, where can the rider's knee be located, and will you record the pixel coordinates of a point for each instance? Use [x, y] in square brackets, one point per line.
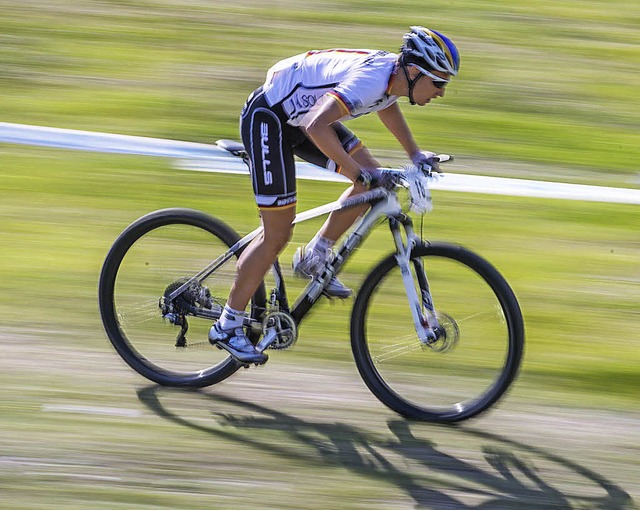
[277, 240]
[278, 229]
[274, 240]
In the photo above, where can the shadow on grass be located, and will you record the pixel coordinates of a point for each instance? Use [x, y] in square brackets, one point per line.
[509, 478]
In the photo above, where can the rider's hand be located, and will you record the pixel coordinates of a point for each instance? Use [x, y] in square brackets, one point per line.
[426, 160]
[377, 178]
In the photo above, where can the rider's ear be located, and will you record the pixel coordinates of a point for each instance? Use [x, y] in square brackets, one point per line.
[413, 71]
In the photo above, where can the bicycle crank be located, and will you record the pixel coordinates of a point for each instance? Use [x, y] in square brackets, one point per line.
[279, 331]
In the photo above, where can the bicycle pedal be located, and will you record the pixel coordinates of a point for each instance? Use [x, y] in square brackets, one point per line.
[335, 298]
[248, 365]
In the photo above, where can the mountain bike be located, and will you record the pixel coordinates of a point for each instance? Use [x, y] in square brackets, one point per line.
[437, 333]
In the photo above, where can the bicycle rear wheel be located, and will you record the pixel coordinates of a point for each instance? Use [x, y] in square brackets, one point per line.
[150, 259]
[470, 367]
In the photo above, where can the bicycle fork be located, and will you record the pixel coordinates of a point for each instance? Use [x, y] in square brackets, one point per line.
[422, 310]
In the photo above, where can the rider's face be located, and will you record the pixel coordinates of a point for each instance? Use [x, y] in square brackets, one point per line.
[424, 90]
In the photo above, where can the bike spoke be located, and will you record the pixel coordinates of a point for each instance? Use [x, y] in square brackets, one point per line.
[389, 352]
[139, 313]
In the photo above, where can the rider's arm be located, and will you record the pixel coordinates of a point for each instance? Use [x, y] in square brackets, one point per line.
[394, 121]
[317, 124]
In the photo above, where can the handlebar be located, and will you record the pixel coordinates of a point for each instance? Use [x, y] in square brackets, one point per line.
[399, 175]
[417, 179]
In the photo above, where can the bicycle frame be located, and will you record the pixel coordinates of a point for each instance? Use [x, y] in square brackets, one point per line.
[385, 203]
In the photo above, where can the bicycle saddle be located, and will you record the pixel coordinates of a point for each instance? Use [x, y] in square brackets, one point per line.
[235, 148]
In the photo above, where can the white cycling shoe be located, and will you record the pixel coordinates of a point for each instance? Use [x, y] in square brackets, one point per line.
[307, 264]
[236, 343]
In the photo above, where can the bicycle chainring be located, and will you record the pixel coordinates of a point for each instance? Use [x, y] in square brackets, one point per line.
[286, 329]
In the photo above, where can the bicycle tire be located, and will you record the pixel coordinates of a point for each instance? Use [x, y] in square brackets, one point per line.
[135, 327]
[449, 379]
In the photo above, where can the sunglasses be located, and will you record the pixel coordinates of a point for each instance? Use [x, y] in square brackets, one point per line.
[440, 84]
[438, 81]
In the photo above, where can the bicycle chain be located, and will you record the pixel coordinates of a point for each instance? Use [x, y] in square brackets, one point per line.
[197, 344]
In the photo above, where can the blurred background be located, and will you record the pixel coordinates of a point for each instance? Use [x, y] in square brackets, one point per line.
[548, 90]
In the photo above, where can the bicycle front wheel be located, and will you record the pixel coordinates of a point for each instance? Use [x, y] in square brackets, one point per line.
[474, 361]
[154, 256]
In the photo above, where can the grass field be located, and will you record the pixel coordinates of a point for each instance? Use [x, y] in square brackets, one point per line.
[547, 90]
[550, 82]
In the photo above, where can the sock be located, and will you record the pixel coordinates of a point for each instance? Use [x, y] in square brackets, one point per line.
[230, 318]
[317, 252]
[320, 244]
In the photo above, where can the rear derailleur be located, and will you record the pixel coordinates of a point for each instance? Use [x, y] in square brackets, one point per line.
[194, 300]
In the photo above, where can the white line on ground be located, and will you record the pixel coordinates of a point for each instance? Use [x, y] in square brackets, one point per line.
[209, 158]
[110, 411]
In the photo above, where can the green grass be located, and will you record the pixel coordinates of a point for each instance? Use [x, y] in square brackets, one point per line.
[551, 82]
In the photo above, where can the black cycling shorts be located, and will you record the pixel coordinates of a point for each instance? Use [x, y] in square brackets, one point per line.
[272, 144]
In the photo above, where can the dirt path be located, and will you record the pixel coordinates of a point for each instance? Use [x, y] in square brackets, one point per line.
[77, 424]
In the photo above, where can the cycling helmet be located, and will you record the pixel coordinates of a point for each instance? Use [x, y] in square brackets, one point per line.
[431, 49]
[427, 50]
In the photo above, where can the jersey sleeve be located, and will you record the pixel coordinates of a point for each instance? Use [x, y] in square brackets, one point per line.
[361, 89]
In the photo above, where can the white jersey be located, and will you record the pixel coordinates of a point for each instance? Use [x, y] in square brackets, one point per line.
[358, 79]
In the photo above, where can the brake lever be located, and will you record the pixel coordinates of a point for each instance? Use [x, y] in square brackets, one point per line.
[441, 158]
[444, 158]
[432, 175]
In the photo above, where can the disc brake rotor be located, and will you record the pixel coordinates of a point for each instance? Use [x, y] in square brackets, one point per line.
[448, 334]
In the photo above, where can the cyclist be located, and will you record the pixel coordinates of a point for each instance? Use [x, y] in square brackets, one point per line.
[299, 111]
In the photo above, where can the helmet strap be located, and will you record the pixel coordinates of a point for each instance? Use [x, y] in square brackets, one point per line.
[410, 81]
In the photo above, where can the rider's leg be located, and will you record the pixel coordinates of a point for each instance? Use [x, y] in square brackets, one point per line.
[259, 256]
[272, 171]
[268, 142]
[340, 221]
[309, 260]
[228, 332]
